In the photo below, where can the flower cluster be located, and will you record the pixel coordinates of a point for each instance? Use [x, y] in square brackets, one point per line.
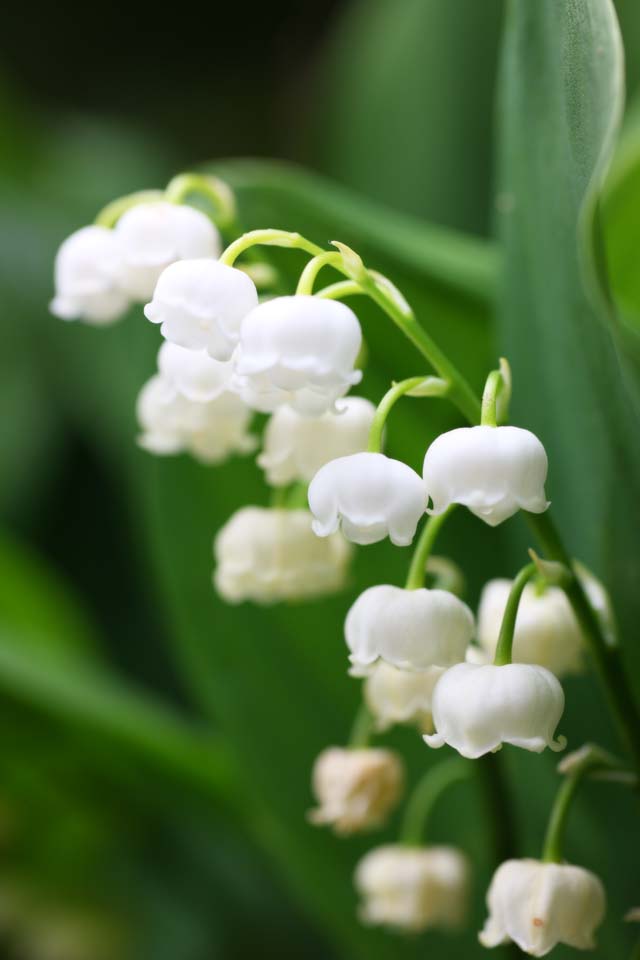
[422, 658]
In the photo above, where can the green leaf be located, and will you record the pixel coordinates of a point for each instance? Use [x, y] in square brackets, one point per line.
[560, 108]
[408, 100]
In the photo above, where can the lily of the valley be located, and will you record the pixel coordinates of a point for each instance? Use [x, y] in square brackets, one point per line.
[476, 708]
[295, 447]
[400, 696]
[87, 278]
[370, 496]
[298, 351]
[269, 555]
[410, 629]
[151, 236]
[200, 304]
[494, 471]
[413, 888]
[539, 905]
[193, 373]
[355, 789]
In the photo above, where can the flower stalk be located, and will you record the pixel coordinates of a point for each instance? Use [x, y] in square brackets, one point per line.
[426, 794]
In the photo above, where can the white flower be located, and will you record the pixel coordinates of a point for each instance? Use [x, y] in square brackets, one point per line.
[201, 305]
[370, 496]
[86, 270]
[210, 431]
[153, 235]
[355, 789]
[410, 629]
[269, 555]
[295, 447]
[546, 632]
[539, 905]
[298, 351]
[401, 696]
[476, 708]
[193, 373]
[494, 471]
[413, 888]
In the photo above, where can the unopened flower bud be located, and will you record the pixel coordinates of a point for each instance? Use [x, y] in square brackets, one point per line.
[295, 447]
[370, 496]
[494, 471]
[413, 888]
[477, 708]
[87, 272]
[201, 304]
[401, 696]
[273, 555]
[539, 905]
[153, 235]
[355, 789]
[410, 629]
[298, 351]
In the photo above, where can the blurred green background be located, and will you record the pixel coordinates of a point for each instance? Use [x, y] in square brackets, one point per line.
[157, 745]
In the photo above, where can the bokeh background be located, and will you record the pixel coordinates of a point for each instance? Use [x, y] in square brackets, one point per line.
[156, 745]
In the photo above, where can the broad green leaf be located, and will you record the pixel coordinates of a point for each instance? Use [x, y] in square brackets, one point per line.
[560, 107]
[407, 105]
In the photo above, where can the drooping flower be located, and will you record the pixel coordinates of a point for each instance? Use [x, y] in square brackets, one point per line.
[201, 304]
[268, 555]
[370, 496]
[476, 708]
[211, 431]
[355, 789]
[153, 235]
[410, 629]
[401, 696]
[87, 271]
[546, 631]
[295, 447]
[539, 905]
[298, 351]
[413, 888]
[194, 373]
[494, 471]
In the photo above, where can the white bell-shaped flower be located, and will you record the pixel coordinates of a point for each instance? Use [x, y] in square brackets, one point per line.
[546, 631]
[410, 629]
[295, 447]
[539, 905]
[201, 304]
[476, 708]
[193, 373]
[268, 555]
[355, 789]
[210, 431]
[153, 235]
[299, 351]
[370, 496]
[87, 271]
[494, 471]
[401, 696]
[413, 888]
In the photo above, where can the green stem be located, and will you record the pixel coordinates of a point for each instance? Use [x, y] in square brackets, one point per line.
[268, 238]
[460, 392]
[606, 658]
[499, 805]
[109, 215]
[216, 191]
[590, 759]
[343, 288]
[418, 566]
[504, 646]
[426, 794]
[313, 268]
[384, 408]
[362, 728]
[489, 414]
